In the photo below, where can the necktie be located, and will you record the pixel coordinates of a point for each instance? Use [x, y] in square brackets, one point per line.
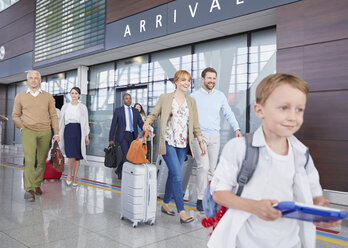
[130, 119]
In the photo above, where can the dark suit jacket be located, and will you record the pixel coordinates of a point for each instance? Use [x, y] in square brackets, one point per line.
[119, 124]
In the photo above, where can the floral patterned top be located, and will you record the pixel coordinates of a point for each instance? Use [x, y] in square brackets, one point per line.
[176, 132]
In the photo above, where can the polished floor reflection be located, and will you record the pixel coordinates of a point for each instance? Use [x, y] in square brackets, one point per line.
[89, 215]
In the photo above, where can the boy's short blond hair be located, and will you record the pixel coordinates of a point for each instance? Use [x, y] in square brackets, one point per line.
[181, 74]
[269, 83]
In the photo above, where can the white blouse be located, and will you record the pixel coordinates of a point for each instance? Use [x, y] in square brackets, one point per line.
[177, 127]
[72, 114]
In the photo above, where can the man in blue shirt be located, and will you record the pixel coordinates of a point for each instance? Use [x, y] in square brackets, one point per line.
[210, 102]
[124, 129]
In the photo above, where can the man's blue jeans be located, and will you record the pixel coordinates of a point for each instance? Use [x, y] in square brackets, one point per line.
[174, 159]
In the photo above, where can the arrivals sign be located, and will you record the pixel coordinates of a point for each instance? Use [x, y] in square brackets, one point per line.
[180, 15]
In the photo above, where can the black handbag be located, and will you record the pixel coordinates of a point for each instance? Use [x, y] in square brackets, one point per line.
[110, 157]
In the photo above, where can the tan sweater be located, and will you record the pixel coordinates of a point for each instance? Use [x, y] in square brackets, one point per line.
[38, 113]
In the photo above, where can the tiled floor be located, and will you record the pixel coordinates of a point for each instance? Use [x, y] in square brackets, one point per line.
[89, 215]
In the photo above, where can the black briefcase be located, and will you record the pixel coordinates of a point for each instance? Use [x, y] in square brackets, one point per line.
[110, 157]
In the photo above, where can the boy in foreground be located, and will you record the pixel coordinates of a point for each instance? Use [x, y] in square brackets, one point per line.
[280, 175]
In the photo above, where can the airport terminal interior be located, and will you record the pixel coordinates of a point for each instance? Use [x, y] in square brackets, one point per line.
[89, 215]
[112, 47]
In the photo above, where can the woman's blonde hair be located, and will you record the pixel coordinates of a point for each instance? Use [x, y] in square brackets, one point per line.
[182, 74]
[269, 83]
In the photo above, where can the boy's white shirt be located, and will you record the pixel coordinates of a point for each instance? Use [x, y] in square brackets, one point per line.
[306, 187]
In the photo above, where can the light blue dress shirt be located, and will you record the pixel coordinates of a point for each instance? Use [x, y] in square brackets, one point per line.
[209, 106]
[128, 125]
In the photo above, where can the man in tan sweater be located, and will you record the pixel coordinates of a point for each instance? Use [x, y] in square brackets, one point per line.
[34, 113]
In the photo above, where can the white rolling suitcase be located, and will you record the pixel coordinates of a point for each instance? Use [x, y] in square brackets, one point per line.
[162, 174]
[138, 193]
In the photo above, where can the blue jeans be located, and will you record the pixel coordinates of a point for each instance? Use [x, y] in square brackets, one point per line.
[174, 159]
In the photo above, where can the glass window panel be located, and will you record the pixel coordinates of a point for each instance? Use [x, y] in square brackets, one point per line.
[10, 127]
[132, 71]
[56, 84]
[262, 63]
[102, 76]
[22, 86]
[229, 58]
[71, 80]
[100, 116]
[166, 63]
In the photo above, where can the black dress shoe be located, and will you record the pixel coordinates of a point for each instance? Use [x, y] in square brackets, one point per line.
[171, 213]
[119, 174]
[188, 220]
[199, 206]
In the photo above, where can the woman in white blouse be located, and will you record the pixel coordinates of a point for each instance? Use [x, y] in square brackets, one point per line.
[179, 125]
[73, 133]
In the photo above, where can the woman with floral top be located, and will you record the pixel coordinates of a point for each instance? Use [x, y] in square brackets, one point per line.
[178, 126]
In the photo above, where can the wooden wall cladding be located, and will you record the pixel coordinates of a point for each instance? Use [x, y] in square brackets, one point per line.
[326, 116]
[118, 9]
[290, 61]
[312, 42]
[16, 11]
[17, 28]
[311, 21]
[3, 90]
[331, 159]
[324, 66]
[19, 46]
[3, 106]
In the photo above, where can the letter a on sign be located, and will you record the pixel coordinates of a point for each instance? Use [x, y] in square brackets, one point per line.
[215, 4]
[127, 31]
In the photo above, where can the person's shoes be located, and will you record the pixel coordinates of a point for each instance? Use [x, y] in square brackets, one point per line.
[199, 206]
[119, 174]
[68, 182]
[74, 184]
[171, 212]
[188, 220]
[38, 191]
[29, 196]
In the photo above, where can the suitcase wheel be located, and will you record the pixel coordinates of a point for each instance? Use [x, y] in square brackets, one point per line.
[152, 222]
[122, 217]
[135, 224]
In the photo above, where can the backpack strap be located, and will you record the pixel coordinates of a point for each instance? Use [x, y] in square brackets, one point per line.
[249, 163]
[307, 158]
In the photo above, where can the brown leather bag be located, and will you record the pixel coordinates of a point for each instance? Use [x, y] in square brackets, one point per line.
[57, 159]
[138, 150]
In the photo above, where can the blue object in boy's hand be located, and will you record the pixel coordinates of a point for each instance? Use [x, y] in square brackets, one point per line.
[209, 205]
[312, 213]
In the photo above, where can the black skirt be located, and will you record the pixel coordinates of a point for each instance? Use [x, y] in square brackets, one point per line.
[72, 141]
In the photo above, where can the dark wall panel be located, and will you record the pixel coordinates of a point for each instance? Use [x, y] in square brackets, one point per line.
[290, 61]
[326, 116]
[19, 46]
[17, 29]
[311, 21]
[326, 65]
[3, 106]
[331, 160]
[16, 11]
[118, 9]
[312, 42]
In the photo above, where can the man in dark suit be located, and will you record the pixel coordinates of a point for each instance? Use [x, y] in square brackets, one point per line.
[124, 128]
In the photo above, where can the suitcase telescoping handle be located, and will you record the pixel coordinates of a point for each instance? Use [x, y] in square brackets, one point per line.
[151, 142]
